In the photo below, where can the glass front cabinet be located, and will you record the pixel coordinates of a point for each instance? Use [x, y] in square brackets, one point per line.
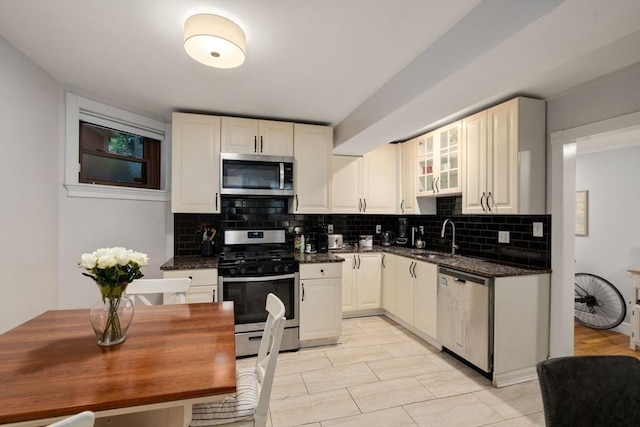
[439, 161]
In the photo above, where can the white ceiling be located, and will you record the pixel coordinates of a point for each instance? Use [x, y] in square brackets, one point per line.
[377, 70]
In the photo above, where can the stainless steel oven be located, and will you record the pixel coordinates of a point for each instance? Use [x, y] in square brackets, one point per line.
[253, 264]
[249, 296]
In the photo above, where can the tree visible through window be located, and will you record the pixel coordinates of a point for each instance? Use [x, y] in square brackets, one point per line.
[112, 157]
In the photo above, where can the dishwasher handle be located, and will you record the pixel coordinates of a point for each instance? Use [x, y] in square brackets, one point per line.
[463, 277]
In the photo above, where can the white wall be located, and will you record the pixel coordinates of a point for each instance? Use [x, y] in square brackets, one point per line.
[28, 188]
[42, 231]
[89, 224]
[570, 113]
[613, 242]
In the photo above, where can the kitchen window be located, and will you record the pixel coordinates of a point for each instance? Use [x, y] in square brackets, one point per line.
[114, 154]
[112, 157]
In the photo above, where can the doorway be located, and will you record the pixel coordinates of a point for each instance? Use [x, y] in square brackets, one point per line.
[564, 148]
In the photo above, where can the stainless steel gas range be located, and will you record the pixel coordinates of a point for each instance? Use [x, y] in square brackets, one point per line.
[252, 264]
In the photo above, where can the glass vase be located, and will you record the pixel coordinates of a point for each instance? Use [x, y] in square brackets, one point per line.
[111, 318]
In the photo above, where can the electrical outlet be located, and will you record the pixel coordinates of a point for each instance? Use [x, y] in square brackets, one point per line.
[378, 229]
[503, 237]
[330, 228]
[537, 229]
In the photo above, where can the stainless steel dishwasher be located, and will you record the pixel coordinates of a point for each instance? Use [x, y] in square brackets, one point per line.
[465, 316]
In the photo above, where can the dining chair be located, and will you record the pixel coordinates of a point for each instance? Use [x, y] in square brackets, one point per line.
[594, 391]
[174, 290]
[83, 419]
[249, 405]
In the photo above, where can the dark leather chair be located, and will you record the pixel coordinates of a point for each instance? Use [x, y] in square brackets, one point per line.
[590, 391]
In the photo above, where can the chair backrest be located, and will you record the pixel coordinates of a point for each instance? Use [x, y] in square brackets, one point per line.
[590, 390]
[83, 419]
[268, 355]
[176, 289]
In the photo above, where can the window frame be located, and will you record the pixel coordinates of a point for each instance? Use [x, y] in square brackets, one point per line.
[150, 162]
[79, 108]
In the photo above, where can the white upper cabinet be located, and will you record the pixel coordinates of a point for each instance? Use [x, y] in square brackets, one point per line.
[195, 164]
[261, 137]
[365, 184]
[379, 181]
[408, 202]
[346, 184]
[438, 158]
[312, 168]
[504, 159]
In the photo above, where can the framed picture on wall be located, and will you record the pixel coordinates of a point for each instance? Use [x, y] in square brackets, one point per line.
[582, 213]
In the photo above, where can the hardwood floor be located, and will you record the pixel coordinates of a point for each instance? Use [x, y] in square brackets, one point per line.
[590, 341]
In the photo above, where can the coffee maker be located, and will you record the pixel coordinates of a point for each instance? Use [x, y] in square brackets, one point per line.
[403, 231]
[323, 239]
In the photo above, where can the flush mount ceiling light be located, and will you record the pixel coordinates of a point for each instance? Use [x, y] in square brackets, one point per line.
[214, 41]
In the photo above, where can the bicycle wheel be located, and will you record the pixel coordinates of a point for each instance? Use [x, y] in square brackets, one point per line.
[598, 304]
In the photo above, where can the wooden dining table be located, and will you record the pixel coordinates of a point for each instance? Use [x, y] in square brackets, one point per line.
[173, 356]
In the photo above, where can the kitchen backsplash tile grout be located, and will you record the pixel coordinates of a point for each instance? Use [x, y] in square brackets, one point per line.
[476, 235]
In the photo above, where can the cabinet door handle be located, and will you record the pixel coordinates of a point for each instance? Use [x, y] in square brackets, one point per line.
[216, 201]
[415, 264]
[296, 202]
[402, 206]
[410, 272]
[302, 291]
[482, 204]
[255, 144]
[358, 262]
[433, 185]
[436, 183]
[261, 143]
[353, 267]
[489, 196]
[383, 266]
[364, 209]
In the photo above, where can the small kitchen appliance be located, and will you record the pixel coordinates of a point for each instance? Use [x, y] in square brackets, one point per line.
[335, 241]
[323, 239]
[252, 264]
[387, 238]
[403, 231]
[256, 175]
[365, 241]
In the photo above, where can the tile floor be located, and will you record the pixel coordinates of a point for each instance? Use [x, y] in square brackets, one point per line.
[382, 375]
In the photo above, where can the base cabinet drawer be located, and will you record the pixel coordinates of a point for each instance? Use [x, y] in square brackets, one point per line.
[204, 283]
[321, 271]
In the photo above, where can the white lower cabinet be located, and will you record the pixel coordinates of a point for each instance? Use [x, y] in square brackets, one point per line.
[404, 290]
[425, 297]
[416, 295]
[320, 302]
[204, 283]
[361, 283]
[389, 262]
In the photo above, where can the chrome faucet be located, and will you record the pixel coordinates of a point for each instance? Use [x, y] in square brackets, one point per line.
[453, 240]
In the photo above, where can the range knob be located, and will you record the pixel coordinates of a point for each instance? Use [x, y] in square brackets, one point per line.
[243, 270]
[286, 268]
[260, 270]
[276, 269]
[232, 271]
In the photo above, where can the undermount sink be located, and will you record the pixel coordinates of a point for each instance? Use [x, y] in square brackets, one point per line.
[432, 254]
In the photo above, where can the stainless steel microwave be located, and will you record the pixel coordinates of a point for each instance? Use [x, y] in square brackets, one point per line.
[256, 175]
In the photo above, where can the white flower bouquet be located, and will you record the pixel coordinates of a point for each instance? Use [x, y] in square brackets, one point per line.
[112, 269]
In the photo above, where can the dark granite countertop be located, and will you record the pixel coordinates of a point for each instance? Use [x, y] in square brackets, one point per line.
[471, 265]
[317, 258]
[190, 262]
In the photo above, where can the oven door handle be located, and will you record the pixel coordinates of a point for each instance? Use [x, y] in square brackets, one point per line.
[257, 279]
